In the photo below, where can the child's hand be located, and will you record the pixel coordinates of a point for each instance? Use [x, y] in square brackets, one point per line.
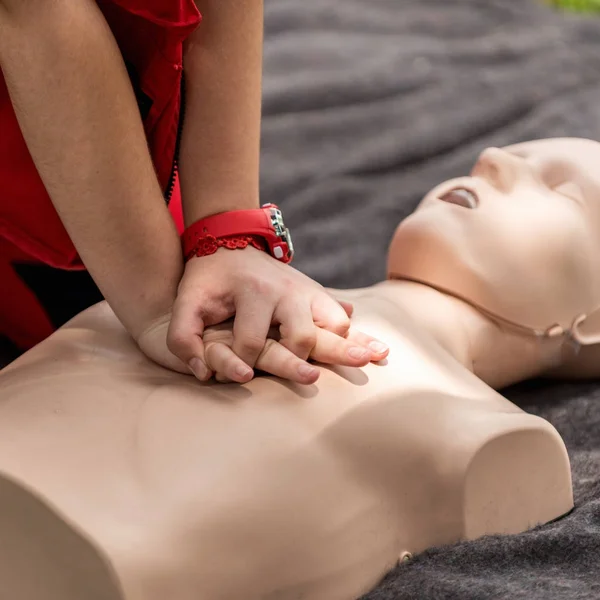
[259, 292]
[274, 358]
[277, 360]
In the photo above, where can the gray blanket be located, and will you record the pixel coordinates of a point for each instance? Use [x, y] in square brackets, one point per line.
[368, 104]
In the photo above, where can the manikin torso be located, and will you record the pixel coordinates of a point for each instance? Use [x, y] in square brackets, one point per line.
[271, 489]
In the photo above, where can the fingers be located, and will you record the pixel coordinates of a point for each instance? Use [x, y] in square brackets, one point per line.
[274, 359]
[357, 350]
[300, 339]
[328, 314]
[296, 327]
[184, 337]
[378, 348]
[226, 365]
[250, 329]
[278, 360]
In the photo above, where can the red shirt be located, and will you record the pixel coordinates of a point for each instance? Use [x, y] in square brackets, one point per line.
[150, 35]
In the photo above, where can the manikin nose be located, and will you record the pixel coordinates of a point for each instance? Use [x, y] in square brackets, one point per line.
[502, 169]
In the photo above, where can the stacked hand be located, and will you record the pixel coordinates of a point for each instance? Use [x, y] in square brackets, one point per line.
[281, 318]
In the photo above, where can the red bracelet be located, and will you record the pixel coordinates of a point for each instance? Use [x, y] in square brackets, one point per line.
[196, 245]
[263, 228]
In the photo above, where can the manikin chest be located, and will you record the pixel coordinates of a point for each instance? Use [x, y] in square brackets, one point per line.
[269, 491]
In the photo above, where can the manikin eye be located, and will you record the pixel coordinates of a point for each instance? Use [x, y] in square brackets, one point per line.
[461, 197]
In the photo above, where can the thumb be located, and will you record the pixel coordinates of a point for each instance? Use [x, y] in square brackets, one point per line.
[184, 339]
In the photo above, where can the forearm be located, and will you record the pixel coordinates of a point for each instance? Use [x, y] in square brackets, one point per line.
[221, 137]
[79, 117]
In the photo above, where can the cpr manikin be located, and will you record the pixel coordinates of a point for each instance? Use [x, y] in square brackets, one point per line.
[123, 481]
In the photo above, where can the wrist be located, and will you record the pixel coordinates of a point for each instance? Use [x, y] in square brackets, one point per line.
[203, 208]
[147, 296]
[151, 323]
[207, 244]
[149, 319]
[262, 228]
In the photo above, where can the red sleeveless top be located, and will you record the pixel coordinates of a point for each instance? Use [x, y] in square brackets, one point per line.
[150, 35]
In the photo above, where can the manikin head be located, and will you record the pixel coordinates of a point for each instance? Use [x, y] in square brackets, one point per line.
[519, 236]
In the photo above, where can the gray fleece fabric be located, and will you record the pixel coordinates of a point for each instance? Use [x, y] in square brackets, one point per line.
[368, 104]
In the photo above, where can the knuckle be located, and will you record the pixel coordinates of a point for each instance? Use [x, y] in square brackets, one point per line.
[252, 345]
[340, 325]
[289, 283]
[176, 340]
[306, 339]
[257, 285]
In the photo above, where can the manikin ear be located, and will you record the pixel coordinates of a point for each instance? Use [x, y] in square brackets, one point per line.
[587, 331]
[42, 556]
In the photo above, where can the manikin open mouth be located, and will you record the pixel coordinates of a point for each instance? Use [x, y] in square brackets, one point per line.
[461, 197]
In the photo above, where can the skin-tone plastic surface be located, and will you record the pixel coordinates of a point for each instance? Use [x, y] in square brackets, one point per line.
[156, 486]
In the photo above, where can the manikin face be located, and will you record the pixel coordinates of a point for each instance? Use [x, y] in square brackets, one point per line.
[519, 236]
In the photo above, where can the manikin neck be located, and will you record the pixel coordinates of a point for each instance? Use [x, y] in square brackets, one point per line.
[498, 355]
